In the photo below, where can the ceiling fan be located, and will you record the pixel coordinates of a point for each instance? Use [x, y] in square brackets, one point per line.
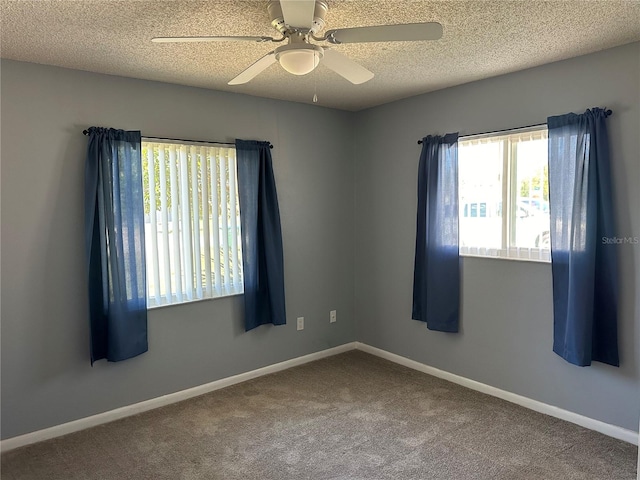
[298, 21]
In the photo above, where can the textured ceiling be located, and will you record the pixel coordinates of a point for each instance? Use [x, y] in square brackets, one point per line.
[481, 39]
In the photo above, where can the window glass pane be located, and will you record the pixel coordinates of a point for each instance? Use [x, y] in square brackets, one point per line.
[504, 195]
[532, 194]
[480, 190]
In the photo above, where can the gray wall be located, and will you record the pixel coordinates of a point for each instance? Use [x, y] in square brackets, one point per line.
[506, 337]
[46, 375]
[320, 157]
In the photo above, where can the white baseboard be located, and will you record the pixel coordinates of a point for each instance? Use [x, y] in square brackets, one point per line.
[127, 411]
[590, 423]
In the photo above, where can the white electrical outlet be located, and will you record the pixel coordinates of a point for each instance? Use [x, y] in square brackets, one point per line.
[332, 316]
[300, 323]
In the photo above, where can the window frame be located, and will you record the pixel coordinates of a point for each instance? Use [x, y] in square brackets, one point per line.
[509, 192]
[217, 291]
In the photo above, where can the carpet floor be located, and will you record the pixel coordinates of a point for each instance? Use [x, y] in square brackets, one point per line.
[351, 416]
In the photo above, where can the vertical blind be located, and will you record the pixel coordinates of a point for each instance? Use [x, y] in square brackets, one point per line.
[192, 222]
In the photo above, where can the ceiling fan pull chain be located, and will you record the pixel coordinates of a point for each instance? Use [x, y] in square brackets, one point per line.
[315, 87]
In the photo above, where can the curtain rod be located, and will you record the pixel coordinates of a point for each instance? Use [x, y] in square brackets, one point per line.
[86, 132]
[607, 112]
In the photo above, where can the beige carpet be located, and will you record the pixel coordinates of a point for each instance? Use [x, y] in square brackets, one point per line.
[352, 416]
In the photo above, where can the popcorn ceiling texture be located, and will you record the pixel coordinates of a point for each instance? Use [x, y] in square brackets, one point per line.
[481, 39]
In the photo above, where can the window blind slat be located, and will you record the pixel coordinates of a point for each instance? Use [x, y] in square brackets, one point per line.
[195, 218]
[224, 206]
[206, 214]
[215, 219]
[187, 249]
[155, 267]
[233, 234]
[165, 226]
[175, 222]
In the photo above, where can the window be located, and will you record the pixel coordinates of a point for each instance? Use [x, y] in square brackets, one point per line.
[192, 222]
[509, 170]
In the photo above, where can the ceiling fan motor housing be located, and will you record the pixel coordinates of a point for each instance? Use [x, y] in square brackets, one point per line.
[277, 19]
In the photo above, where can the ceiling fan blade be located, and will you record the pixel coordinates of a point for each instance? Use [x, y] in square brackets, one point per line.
[210, 39]
[298, 13]
[409, 32]
[346, 67]
[255, 68]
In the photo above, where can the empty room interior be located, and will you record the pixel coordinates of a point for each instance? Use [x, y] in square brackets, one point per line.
[320, 240]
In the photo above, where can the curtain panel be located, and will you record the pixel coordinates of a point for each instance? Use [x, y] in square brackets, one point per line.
[115, 245]
[262, 254]
[583, 259]
[436, 280]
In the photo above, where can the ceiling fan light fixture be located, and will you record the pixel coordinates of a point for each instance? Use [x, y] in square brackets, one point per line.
[299, 59]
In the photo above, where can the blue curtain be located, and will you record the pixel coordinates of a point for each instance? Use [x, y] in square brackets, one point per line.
[114, 228]
[436, 275]
[583, 262]
[262, 257]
